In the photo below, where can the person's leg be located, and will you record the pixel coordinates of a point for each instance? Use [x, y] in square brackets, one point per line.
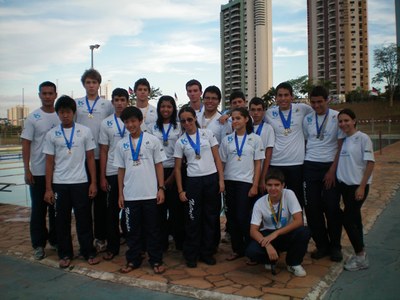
[38, 229]
[112, 222]
[134, 220]
[152, 231]
[256, 253]
[295, 243]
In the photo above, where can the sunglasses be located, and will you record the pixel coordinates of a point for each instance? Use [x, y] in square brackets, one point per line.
[188, 120]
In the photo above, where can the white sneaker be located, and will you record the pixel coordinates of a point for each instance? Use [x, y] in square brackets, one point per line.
[268, 267]
[297, 270]
[356, 263]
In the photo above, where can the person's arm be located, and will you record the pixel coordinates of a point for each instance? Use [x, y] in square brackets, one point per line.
[258, 237]
[220, 168]
[330, 176]
[49, 194]
[92, 172]
[360, 191]
[103, 165]
[267, 161]
[160, 180]
[178, 178]
[121, 176]
[224, 118]
[256, 178]
[26, 155]
[170, 180]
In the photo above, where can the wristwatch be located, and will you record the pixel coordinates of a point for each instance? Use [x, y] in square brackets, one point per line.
[162, 187]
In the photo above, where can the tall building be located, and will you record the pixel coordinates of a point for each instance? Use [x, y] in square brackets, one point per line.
[397, 8]
[246, 47]
[17, 114]
[338, 44]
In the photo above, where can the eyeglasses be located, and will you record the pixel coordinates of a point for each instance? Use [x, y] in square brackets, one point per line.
[188, 120]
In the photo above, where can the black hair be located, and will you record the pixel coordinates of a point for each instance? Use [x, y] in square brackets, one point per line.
[92, 74]
[120, 92]
[141, 81]
[49, 84]
[237, 94]
[257, 101]
[172, 120]
[245, 113]
[188, 109]
[275, 173]
[285, 85]
[213, 90]
[65, 102]
[194, 82]
[350, 113]
[131, 112]
[319, 91]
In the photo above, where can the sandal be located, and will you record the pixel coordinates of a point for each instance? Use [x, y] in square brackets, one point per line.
[251, 263]
[93, 260]
[64, 262]
[233, 256]
[109, 255]
[158, 268]
[129, 267]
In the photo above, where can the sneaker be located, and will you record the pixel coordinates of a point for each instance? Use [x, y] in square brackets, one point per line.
[100, 245]
[336, 255]
[356, 263]
[53, 246]
[208, 260]
[268, 267]
[319, 253]
[39, 253]
[297, 270]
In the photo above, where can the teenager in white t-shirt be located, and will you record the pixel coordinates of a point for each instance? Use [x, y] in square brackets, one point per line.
[242, 153]
[194, 90]
[66, 148]
[149, 112]
[168, 130]
[91, 110]
[266, 132]
[112, 130]
[36, 125]
[201, 192]
[288, 154]
[354, 173]
[322, 199]
[277, 225]
[139, 160]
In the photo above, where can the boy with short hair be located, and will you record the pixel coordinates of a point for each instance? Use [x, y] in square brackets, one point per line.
[66, 147]
[139, 160]
[149, 112]
[194, 91]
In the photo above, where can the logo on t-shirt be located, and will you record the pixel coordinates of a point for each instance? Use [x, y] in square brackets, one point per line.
[125, 145]
[309, 119]
[58, 133]
[184, 141]
[80, 103]
[230, 139]
[274, 113]
[109, 123]
[37, 116]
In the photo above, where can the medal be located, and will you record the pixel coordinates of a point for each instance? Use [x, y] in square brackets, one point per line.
[68, 143]
[239, 150]
[276, 216]
[135, 153]
[198, 156]
[121, 132]
[195, 146]
[90, 109]
[320, 129]
[165, 143]
[286, 122]
[239, 159]
[136, 163]
[69, 151]
[165, 134]
[90, 116]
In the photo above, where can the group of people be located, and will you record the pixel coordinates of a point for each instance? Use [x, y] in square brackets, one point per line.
[171, 172]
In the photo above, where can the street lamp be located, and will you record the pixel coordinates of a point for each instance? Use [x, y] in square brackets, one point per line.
[92, 47]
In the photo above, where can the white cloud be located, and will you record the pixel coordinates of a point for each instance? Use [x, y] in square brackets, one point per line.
[285, 52]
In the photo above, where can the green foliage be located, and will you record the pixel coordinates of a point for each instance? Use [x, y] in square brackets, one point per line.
[155, 93]
[358, 95]
[269, 97]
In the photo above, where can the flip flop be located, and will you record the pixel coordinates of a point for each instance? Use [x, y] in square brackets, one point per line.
[93, 260]
[129, 267]
[233, 256]
[64, 262]
[251, 263]
[158, 268]
[109, 255]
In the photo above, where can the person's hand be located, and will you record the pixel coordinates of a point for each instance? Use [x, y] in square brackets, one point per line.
[121, 201]
[329, 180]
[272, 254]
[221, 186]
[266, 240]
[182, 196]
[104, 184]
[29, 180]
[222, 119]
[360, 193]
[49, 197]
[253, 191]
[160, 196]
[92, 191]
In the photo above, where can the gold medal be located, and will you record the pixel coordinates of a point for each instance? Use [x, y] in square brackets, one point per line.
[285, 132]
[136, 163]
[165, 143]
[69, 151]
[198, 156]
[90, 116]
[239, 158]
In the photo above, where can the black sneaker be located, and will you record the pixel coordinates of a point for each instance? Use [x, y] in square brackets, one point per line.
[319, 253]
[38, 253]
[336, 255]
[208, 260]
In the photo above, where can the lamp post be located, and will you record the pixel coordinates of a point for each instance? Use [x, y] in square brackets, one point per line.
[92, 47]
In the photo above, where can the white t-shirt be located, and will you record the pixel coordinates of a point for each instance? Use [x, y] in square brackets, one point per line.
[356, 151]
[267, 134]
[110, 136]
[173, 136]
[149, 117]
[322, 149]
[140, 181]
[36, 126]
[219, 130]
[69, 168]
[263, 217]
[242, 170]
[289, 149]
[101, 110]
[198, 167]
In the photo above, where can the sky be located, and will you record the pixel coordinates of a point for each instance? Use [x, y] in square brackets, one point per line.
[166, 41]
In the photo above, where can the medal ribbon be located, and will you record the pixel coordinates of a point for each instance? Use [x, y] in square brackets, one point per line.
[165, 135]
[121, 132]
[319, 128]
[196, 147]
[276, 218]
[240, 150]
[286, 122]
[71, 138]
[259, 129]
[135, 154]
[90, 109]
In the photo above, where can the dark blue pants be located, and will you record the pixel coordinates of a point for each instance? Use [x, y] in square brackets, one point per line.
[321, 203]
[352, 220]
[112, 220]
[171, 215]
[68, 197]
[294, 242]
[293, 180]
[39, 208]
[142, 218]
[239, 214]
[202, 223]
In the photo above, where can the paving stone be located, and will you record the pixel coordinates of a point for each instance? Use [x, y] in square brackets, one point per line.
[227, 290]
[249, 291]
[215, 278]
[295, 292]
[275, 297]
[194, 282]
[222, 283]
[308, 281]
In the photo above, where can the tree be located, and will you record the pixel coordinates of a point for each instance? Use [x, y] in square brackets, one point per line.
[154, 94]
[387, 61]
[269, 97]
[300, 86]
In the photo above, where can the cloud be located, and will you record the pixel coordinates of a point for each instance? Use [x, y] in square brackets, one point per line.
[285, 52]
